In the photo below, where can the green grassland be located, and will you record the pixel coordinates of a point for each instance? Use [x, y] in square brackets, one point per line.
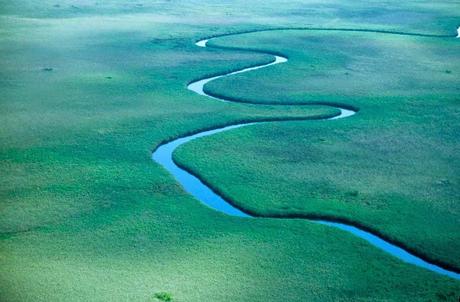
[88, 89]
[393, 168]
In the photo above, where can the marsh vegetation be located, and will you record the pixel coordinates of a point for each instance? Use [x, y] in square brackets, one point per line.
[86, 216]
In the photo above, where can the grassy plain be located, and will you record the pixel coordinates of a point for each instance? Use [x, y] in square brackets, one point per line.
[392, 168]
[88, 89]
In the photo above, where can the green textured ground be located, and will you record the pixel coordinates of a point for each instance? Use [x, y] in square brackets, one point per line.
[394, 167]
[86, 216]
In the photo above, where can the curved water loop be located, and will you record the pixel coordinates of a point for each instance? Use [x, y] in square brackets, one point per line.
[197, 188]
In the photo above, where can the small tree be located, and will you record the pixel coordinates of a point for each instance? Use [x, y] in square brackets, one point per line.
[163, 296]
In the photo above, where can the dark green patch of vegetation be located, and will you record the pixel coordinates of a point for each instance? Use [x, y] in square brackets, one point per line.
[163, 296]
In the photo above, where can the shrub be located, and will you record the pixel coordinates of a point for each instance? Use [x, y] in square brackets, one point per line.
[163, 296]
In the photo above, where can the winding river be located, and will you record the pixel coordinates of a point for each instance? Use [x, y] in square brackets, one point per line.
[163, 155]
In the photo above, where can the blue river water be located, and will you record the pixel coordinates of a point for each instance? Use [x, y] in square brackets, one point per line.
[163, 155]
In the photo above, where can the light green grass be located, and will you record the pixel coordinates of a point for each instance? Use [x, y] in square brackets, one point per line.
[392, 167]
[85, 215]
